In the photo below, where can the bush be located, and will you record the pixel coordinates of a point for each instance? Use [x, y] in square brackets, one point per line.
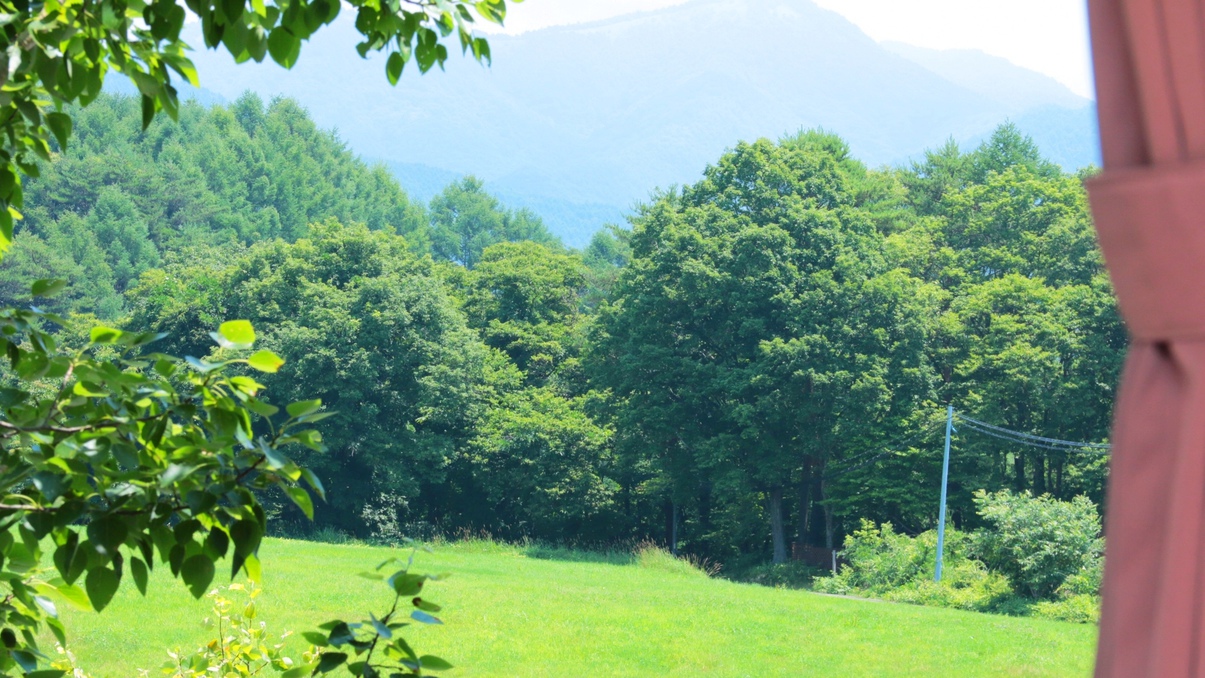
[1038, 542]
[242, 647]
[1079, 608]
[881, 560]
[965, 586]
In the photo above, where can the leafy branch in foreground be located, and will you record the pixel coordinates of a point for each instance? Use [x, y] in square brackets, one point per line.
[57, 52]
[110, 456]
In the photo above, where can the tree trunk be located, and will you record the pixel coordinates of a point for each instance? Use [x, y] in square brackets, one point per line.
[705, 507]
[1058, 478]
[778, 532]
[667, 510]
[828, 528]
[1039, 475]
[828, 518]
[673, 521]
[805, 505]
[1019, 471]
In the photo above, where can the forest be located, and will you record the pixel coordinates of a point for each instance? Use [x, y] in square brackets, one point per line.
[760, 359]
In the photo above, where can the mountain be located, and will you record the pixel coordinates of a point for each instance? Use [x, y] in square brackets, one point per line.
[1012, 87]
[593, 117]
[116, 83]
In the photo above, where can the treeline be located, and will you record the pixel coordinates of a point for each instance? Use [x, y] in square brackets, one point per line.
[762, 358]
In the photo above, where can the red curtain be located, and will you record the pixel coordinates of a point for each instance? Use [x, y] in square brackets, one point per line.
[1149, 207]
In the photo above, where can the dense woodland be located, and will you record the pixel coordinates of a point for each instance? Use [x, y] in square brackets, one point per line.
[760, 358]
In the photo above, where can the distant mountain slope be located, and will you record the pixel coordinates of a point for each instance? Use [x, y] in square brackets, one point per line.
[1067, 137]
[600, 114]
[574, 222]
[1013, 87]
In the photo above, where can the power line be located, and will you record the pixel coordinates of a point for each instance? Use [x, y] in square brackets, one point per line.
[1027, 438]
[892, 449]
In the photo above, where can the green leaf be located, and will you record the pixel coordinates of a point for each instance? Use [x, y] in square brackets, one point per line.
[197, 572]
[265, 361]
[246, 536]
[330, 661]
[394, 66]
[47, 288]
[101, 583]
[105, 335]
[302, 499]
[27, 660]
[107, 533]
[432, 663]
[47, 605]
[314, 482]
[60, 126]
[406, 584]
[148, 111]
[283, 46]
[303, 407]
[202, 366]
[315, 638]
[236, 334]
[217, 543]
[138, 569]
[262, 408]
[12, 396]
[382, 630]
[83, 388]
[420, 616]
[425, 606]
[74, 595]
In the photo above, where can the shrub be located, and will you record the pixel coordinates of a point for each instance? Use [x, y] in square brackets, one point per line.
[1079, 608]
[881, 560]
[242, 646]
[967, 585]
[1038, 542]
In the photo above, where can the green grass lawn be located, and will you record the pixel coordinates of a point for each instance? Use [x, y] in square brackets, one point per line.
[511, 611]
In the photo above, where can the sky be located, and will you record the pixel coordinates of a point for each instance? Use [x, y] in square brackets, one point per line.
[1048, 36]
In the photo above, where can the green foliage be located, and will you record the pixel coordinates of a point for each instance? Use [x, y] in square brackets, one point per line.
[885, 564]
[242, 646]
[1039, 542]
[1032, 547]
[523, 298]
[148, 454]
[543, 462]
[1079, 608]
[465, 220]
[59, 54]
[192, 192]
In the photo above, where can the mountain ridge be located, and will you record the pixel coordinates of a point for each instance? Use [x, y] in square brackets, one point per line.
[602, 113]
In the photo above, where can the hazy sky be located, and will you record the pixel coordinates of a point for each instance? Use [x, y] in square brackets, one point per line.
[1049, 36]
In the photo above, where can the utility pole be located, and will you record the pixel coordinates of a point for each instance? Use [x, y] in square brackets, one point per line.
[945, 478]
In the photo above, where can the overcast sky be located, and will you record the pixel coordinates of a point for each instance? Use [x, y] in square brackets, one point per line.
[1049, 36]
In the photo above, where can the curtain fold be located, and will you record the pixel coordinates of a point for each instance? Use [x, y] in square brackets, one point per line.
[1149, 208]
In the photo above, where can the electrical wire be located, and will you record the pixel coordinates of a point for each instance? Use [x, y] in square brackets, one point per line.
[1027, 439]
[892, 449]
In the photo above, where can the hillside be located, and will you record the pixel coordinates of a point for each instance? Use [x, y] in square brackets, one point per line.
[592, 117]
[512, 611]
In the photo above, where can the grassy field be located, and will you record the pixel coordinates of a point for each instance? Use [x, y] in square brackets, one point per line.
[511, 611]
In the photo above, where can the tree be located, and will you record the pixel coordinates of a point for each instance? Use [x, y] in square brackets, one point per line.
[524, 299]
[746, 327]
[147, 452]
[465, 220]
